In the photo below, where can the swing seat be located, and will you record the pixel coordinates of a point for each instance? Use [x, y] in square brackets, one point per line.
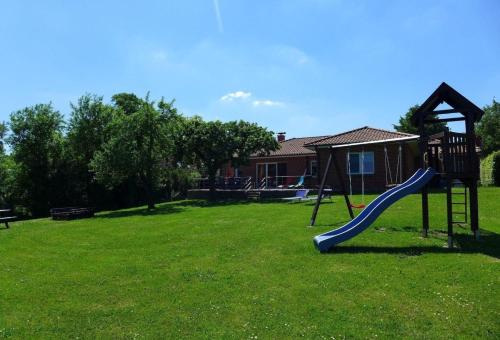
[358, 206]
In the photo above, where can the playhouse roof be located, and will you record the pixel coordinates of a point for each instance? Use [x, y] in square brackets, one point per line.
[445, 93]
[361, 135]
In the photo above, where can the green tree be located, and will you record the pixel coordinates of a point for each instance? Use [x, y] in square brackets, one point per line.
[88, 130]
[405, 124]
[36, 143]
[7, 180]
[4, 166]
[215, 143]
[488, 128]
[3, 135]
[139, 146]
[129, 103]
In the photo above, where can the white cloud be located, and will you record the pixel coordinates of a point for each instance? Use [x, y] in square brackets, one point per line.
[267, 102]
[218, 16]
[242, 95]
[159, 56]
[235, 95]
[291, 54]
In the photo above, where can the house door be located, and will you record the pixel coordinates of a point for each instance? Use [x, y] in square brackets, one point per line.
[272, 171]
[281, 178]
[266, 174]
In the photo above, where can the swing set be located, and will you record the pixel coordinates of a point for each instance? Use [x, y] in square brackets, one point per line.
[362, 171]
[390, 181]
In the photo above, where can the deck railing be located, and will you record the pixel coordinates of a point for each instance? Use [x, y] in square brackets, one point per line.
[280, 182]
[249, 182]
[226, 183]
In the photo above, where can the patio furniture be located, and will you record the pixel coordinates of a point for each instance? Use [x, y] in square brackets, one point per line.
[300, 195]
[71, 213]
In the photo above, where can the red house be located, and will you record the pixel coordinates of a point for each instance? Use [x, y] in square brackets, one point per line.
[286, 166]
[381, 158]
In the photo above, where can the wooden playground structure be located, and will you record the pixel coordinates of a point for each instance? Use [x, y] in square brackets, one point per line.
[452, 155]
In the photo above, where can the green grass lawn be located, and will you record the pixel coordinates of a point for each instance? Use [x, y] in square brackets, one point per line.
[249, 270]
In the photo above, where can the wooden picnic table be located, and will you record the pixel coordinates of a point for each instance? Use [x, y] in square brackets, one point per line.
[70, 213]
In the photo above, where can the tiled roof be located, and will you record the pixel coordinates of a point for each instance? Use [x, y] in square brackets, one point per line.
[364, 134]
[304, 146]
[294, 147]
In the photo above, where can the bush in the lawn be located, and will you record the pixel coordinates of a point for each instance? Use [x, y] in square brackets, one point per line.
[490, 169]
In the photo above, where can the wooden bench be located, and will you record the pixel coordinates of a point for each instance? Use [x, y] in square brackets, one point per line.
[71, 213]
[6, 219]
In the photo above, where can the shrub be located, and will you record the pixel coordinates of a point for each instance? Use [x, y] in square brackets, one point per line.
[175, 182]
[490, 169]
[496, 168]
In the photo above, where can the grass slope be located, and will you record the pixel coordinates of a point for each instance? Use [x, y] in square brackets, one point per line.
[249, 270]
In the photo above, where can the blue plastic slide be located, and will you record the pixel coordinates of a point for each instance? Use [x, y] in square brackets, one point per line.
[326, 241]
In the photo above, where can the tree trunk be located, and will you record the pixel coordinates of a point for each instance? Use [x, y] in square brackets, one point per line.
[149, 192]
[149, 197]
[211, 185]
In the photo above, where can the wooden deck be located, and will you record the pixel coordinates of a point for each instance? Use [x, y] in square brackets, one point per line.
[240, 194]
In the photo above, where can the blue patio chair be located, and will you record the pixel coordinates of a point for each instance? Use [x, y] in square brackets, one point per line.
[299, 184]
[300, 195]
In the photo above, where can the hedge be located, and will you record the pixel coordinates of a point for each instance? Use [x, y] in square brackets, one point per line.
[490, 169]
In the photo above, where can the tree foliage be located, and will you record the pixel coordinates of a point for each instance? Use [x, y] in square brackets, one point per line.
[88, 130]
[7, 180]
[140, 144]
[128, 103]
[36, 142]
[3, 134]
[115, 155]
[5, 167]
[405, 124]
[215, 143]
[488, 128]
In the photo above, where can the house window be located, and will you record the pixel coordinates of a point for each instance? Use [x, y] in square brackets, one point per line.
[313, 168]
[282, 167]
[361, 162]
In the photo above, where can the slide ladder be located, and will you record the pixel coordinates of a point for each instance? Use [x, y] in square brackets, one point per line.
[461, 192]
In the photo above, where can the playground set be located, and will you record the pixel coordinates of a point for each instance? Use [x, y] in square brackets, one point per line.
[450, 155]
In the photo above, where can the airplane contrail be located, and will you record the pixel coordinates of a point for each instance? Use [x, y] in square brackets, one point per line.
[218, 16]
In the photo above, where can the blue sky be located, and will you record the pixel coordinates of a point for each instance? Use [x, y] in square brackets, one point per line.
[307, 67]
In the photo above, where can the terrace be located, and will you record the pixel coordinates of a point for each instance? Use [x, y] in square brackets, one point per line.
[250, 187]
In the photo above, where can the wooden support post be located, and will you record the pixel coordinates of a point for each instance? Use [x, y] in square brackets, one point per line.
[321, 188]
[423, 165]
[318, 164]
[449, 210]
[474, 170]
[425, 212]
[474, 209]
[342, 184]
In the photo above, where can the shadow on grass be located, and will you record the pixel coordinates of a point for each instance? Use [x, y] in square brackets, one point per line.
[312, 203]
[178, 206]
[405, 229]
[489, 245]
[159, 210]
[332, 225]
